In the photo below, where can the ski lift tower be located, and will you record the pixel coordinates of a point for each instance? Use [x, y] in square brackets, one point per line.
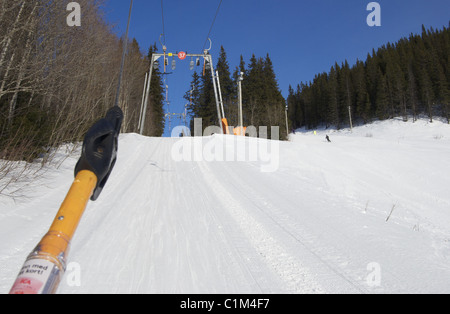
[208, 64]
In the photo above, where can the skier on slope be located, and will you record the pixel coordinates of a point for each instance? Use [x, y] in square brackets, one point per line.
[328, 138]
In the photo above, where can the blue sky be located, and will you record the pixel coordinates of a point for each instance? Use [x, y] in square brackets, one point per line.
[303, 38]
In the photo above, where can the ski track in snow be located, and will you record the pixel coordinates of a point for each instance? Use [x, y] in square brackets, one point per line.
[313, 226]
[291, 272]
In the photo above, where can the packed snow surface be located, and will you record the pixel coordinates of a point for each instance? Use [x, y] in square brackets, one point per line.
[367, 213]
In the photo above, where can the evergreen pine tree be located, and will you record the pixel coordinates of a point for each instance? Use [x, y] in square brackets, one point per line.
[300, 109]
[382, 99]
[226, 84]
[362, 104]
[253, 91]
[412, 91]
[333, 102]
[202, 104]
[274, 101]
[193, 98]
[443, 94]
[424, 80]
[291, 103]
[305, 104]
[207, 101]
[345, 92]
[372, 68]
[155, 121]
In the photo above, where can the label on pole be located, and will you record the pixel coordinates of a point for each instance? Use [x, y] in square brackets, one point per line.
[33, 277]
[182, 55]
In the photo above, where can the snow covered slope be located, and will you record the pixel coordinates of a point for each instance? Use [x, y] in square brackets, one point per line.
[367, 213]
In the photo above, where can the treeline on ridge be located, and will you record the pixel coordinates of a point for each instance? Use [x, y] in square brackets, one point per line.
[404, 79]
[262, 101]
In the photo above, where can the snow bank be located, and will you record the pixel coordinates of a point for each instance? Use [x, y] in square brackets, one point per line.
[366, 213]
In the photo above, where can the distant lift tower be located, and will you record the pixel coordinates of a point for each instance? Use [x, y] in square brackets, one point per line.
[207, 64]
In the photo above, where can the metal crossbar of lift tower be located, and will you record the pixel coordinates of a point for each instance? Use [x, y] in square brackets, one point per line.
[170, 54]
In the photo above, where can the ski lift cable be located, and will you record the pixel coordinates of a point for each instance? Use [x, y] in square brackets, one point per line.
[163, 24]
[163, 43]
[124, 52]
[212, 25]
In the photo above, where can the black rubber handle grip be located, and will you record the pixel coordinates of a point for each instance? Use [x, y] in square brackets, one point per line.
[100, 147]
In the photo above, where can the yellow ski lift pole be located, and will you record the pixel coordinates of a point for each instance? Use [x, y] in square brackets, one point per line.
[45, 266]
